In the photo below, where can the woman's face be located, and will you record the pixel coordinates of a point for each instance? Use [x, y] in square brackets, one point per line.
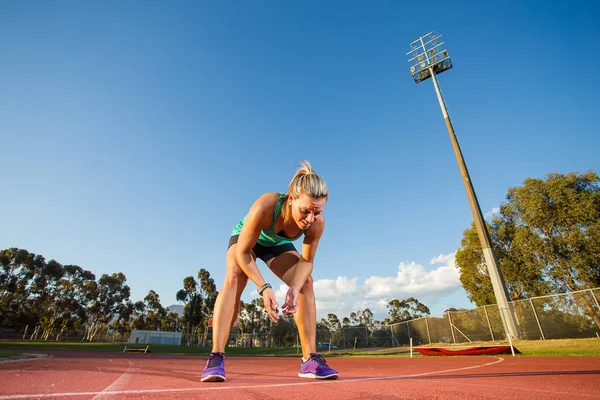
[305, 209]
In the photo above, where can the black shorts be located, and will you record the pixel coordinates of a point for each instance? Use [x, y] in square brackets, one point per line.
[263, 252]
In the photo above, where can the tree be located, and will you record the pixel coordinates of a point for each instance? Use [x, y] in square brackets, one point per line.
[108, 296]
[170, 323]
[333, 322]
[45, 296]
[154, 311]
[562, 217]
[125, 322]
[546, 239]
[138, 311]
[512, 246]
[328, 326]
[200, 297]
[284, 331]
[208, 293]
[254, 318]
[18, 269]
[366, 318]
[192, 312]
[405, 310]
[63, 301]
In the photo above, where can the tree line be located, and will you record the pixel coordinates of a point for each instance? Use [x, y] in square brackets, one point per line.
[54, 300]
[546, 238]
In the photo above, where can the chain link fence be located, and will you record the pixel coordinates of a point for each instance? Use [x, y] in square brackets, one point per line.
[562, 316]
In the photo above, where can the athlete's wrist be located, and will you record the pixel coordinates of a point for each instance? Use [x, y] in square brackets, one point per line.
[264, 287]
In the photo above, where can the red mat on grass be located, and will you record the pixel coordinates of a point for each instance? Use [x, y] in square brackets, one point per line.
[467, 351]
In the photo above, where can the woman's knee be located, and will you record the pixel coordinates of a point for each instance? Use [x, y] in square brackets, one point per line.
[308, 286]
[235, 276]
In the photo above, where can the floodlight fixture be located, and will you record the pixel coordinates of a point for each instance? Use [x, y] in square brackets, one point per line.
[429, 56]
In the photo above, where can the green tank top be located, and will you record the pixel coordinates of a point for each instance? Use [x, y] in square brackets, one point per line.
[268, 237]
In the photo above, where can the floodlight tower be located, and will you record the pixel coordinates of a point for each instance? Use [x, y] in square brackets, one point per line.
[431, 58]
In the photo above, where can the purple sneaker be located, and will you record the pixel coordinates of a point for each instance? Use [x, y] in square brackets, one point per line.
[215, 368]
[317, 368]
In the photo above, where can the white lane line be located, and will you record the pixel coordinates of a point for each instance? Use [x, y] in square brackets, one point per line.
[118, 384]
[272, 385]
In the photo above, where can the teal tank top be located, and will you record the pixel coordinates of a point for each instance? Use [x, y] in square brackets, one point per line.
[268, 237]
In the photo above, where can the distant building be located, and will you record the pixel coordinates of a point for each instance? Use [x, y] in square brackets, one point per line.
[155, 337]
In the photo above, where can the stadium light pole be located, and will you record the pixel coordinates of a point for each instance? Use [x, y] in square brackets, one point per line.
[431, 58]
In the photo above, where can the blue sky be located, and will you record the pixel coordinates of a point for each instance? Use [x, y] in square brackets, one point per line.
[134, 135]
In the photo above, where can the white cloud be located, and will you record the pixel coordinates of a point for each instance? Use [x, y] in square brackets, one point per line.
[431, 287]
[413, 280]
[448, 259]
[410, 280]
[494, 211]
[328, 288]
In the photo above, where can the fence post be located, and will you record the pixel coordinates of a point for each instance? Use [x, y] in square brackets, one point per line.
[488, 321]
[427, 327]
[451, 327]
[537, 319]
[595, 298]
[394, 337]
[408, 328]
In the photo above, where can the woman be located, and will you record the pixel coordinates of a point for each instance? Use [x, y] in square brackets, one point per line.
[267, 232]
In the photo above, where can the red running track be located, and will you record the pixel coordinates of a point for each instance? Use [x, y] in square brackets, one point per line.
[85, 375]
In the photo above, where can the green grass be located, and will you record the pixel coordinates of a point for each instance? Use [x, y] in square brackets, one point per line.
[565, 347]
[562, 347]
[9, 353]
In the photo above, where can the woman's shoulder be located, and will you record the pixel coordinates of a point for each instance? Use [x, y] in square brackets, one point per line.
[269, 199]
[263, 209]
[267, 202]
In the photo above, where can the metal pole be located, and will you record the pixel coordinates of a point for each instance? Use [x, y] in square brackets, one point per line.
[427, 326]
[451, 327]
[537, 319]
[488, 321]
[393, 337]
[496, 277]
[595, 298]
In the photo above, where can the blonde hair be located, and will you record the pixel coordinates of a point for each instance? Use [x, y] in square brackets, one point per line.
[304, 181]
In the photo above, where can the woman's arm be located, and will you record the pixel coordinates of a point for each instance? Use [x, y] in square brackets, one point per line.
[259, 217]
[305, 265]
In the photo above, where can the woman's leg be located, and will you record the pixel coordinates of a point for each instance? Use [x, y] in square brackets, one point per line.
[228, 301]
[284, 266]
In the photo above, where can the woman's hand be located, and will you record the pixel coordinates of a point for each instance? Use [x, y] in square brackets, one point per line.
[271, 304]
[291, 301]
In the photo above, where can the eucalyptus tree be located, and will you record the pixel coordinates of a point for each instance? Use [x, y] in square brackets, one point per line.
[405, 310]
[546, 238]
[107, 298]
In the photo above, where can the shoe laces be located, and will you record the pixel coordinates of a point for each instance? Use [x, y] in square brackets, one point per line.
[215, 360]
[319, 359]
